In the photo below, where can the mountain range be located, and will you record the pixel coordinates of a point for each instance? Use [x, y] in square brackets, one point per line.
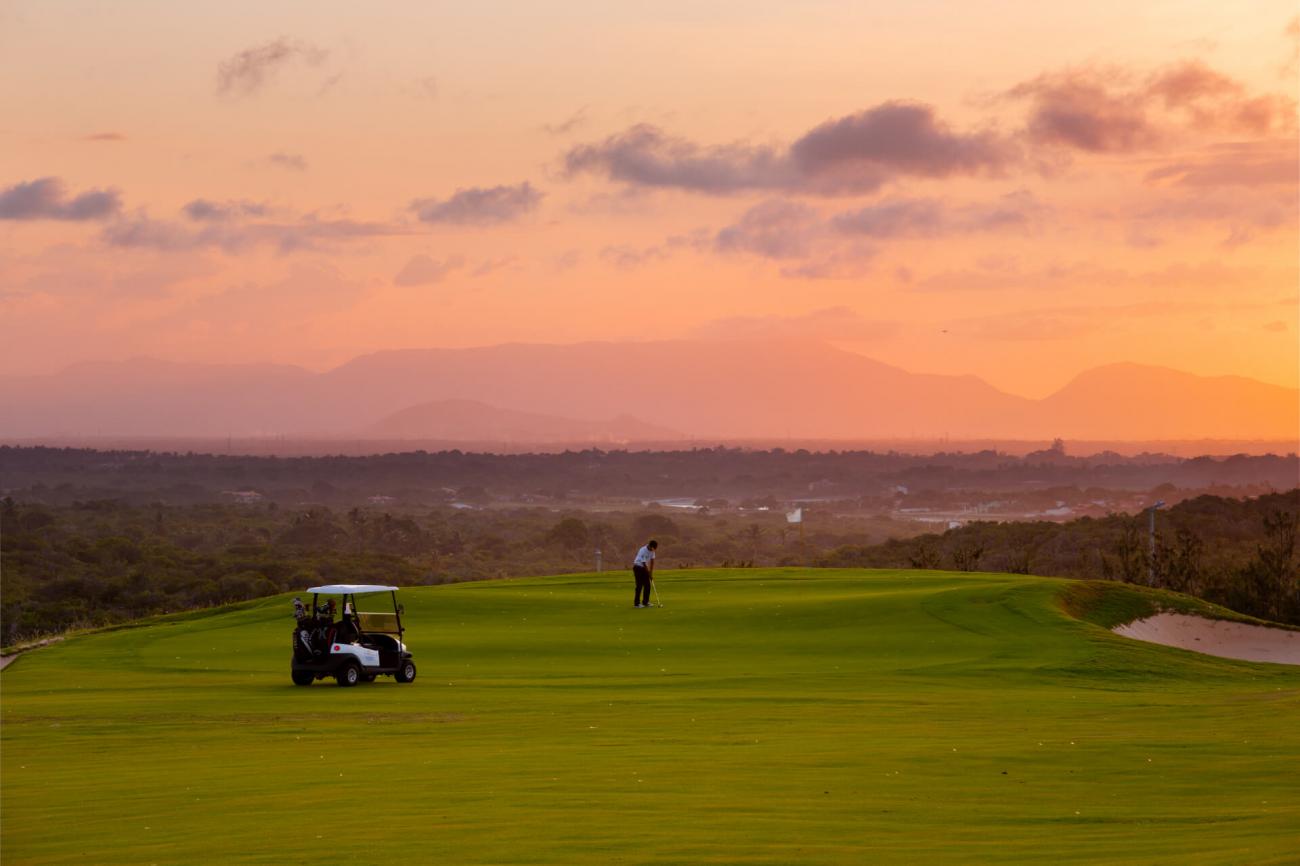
[631, 392]
[474, 421]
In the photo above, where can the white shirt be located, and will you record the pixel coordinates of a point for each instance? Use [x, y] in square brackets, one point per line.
[643, 556]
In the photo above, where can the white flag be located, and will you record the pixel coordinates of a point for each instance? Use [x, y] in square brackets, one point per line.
[795, 516]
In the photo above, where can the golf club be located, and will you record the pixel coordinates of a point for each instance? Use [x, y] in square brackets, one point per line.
[655, 586]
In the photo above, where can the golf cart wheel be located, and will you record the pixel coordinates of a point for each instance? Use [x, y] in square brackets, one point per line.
[303, 678]
[405, 673]
[349, 674]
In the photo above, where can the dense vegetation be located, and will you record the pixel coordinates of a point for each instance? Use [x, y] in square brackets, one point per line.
[726, 477]
[1240, 553]
[104, 561]
[101, 562]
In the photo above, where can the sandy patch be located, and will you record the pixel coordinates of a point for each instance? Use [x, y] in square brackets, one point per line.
[1217, 637]
[6, 660]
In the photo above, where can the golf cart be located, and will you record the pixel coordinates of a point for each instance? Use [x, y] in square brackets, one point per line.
[356, 646]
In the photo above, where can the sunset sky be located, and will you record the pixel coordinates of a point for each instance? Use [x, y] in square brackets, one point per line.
[1015, 190]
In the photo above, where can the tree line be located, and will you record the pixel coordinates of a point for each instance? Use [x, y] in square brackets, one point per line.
[105, 561]
[1240, 553]
[729, 476]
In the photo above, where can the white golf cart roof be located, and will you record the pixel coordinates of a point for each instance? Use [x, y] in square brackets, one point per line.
[350, 588]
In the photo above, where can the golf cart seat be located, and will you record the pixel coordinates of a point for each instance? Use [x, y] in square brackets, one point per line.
[347, 631]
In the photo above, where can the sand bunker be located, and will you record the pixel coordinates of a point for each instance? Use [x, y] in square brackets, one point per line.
[1217, 637]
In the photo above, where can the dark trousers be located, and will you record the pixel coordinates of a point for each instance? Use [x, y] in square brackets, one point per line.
[642, 575]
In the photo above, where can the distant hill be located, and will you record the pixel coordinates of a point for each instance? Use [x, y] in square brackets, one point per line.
[702, 388]
[729, 390]
[1160, 403]
[473, 421]
[143, 396]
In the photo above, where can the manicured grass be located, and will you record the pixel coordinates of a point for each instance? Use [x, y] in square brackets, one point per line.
[763, 716]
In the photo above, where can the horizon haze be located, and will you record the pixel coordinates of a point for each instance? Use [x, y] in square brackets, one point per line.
[934, 221]
[650, 392]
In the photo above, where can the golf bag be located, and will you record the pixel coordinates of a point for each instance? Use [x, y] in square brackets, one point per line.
[302, 644]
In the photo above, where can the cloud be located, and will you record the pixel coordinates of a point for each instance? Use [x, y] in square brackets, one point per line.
[421, 270]
[1068, 322]
[290, 161]
[849, 155]
[831, 323]
[104, 136]
[1209, 99]
[626, 256]
[139, 231]
[231, 234]
[248, 71]
[812, 246]
[774, 229]
[1231, 206]
[569, 124]
[479, 205]
[798, 237]
[425, 88]
[1244, 164]
[902, 217]
[1292, 34]
[260, 314]
[1031, 325]
[1190, 82]
[1246, 189]
[1138, 237]
[46, 199]
[852, 153]
[1082, 110]
[204, 210]
[644, 155]
[1089, 109]
[567, 260]
[1110, 110]
[483, 268]
[844, 262]
[75, 273]
[1178, 279]
[899, 218]
[1019, 209]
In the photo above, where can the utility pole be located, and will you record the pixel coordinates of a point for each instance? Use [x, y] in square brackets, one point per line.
[1151, 549]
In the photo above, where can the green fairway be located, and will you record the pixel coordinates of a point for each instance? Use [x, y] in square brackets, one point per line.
[763, 716]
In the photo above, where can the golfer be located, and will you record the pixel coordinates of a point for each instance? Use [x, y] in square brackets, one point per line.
[643, 570]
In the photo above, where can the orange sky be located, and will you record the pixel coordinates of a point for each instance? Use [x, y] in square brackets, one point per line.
[1014, 190]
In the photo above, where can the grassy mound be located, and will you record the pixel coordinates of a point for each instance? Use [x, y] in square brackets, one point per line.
[763, 716]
